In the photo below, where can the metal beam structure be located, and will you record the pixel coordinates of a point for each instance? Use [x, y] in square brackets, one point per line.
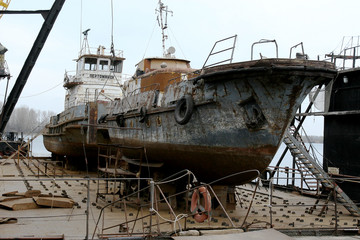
[29, 64]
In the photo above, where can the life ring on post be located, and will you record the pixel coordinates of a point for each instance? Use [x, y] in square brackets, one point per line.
[201, 213]
[143, 113]
[184, 109]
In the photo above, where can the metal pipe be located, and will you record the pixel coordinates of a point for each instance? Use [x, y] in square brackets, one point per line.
[264, 41]
[24, 12]
[252, 200]
[227, 215]
[152, 195]
[271, 195]
[72, 179]
[302, 47]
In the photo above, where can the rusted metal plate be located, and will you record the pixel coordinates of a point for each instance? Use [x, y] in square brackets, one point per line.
[160, 79]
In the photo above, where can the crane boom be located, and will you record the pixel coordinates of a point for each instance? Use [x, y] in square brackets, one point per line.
[29, 63]
[4, 4]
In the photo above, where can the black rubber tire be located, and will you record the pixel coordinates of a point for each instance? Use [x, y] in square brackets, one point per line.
[120, 120]
[184, 109]
[102, 119]
[7, 151]
[143, 113]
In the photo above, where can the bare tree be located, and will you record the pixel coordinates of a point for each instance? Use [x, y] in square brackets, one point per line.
[27, 120]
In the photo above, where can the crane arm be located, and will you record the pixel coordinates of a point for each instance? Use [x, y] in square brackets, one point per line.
[4, 4]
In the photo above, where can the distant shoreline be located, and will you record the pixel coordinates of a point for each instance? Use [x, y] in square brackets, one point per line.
[313, 139]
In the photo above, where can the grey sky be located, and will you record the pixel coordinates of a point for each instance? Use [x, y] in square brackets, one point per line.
[194, 27]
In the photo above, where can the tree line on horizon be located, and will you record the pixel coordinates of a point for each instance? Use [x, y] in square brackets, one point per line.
[28, 120]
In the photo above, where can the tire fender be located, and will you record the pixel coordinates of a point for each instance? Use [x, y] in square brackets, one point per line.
[142, 113]
[120, 120]
[184, 109]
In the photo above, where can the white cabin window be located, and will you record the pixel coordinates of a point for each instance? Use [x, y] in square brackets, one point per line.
[90, 64]
[80, 65]
[104, 65]
[116, 66]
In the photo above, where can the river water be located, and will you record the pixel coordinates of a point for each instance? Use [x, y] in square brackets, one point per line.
[288, 161]
[38, 148]
[288, 158]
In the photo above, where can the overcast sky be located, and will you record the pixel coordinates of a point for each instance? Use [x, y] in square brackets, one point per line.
[193, 29]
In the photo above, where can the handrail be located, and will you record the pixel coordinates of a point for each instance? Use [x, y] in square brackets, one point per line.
[264, 41]
[221, 51]
[295, 46]
[100, 51]
[353, 57]
[342, 55]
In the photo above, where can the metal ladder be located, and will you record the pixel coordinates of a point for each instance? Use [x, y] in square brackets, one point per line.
[308, 177]
[303, 157]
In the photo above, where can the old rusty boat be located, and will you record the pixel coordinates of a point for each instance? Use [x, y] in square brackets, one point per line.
[90, 90]
[216, 121]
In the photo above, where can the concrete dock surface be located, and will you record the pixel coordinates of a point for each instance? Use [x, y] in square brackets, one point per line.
[287, 211]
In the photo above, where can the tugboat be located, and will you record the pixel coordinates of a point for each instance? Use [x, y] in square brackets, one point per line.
[216, 121]
[72, 133]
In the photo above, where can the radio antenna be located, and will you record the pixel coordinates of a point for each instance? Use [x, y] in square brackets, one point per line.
[163, 22]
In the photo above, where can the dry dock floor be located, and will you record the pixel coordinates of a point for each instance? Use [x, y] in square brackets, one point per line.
[290, 210]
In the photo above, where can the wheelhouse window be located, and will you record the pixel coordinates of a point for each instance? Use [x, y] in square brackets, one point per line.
[90, 64]
[116, 66]
[104, 65]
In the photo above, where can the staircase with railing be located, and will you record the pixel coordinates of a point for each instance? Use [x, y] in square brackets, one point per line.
[309, 165]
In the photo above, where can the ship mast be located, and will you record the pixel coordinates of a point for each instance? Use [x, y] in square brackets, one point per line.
[163, 22]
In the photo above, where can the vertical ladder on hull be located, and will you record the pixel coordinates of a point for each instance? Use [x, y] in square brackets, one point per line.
[303, 157]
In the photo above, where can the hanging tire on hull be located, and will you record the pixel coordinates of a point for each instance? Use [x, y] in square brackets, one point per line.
[7, 151]
[184, 109]
[142, 113]
[120, 120]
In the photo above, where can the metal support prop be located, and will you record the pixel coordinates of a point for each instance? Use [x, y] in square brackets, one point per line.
[152, 183]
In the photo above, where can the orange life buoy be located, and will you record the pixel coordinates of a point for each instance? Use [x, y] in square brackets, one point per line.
[201, 213]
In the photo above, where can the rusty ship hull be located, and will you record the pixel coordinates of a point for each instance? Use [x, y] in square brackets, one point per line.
[239, 115]
[71, 134]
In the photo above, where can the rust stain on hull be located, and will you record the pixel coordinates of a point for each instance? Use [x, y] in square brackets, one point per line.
[208, 163]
